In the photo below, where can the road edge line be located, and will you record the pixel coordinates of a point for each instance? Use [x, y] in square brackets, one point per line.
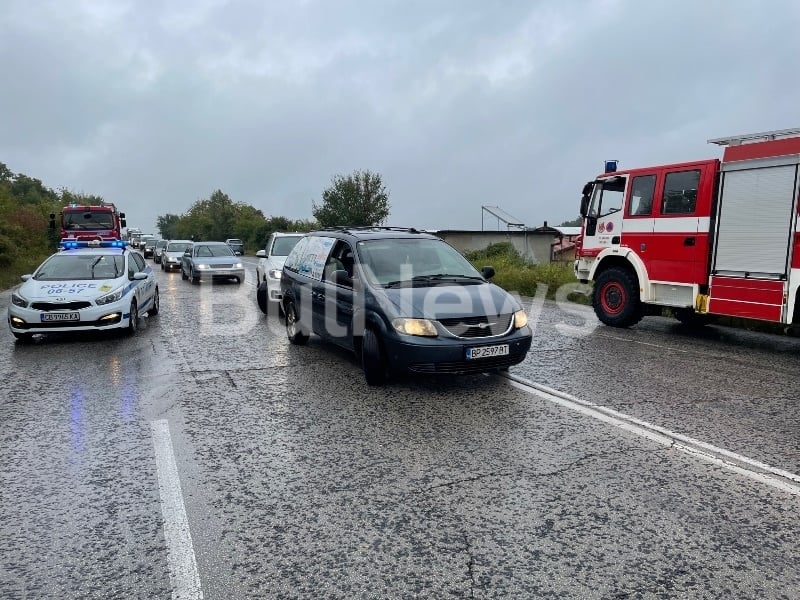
[753, 469]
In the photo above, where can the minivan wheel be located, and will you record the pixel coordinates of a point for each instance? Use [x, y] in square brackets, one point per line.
[373, 360]
[294, 331]
[261, 296]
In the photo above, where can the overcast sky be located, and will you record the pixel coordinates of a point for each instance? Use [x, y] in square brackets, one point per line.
[458, 104]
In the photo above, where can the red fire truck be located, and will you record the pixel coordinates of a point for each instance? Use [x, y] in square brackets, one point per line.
[102, 222]
[704, 238]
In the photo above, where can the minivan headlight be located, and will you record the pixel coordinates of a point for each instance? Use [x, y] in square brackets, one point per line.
[415, 327]
[109, 298]
[520, 319]
[18, 300]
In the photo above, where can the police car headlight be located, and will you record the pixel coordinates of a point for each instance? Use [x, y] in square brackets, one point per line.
[520, 319]
[415, 327]
[18, 300]
[275, 273]
[114, 296]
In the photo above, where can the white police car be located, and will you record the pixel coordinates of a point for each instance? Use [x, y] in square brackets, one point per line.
[86, 286]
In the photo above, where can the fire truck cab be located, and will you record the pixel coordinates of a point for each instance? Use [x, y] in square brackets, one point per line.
[93, 222]
[705, 238]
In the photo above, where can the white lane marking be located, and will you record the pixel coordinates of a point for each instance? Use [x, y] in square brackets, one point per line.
[753, 469]
[183, 572]
[624, 339]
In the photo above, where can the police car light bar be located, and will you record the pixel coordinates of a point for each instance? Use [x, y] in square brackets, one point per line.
[70, 243]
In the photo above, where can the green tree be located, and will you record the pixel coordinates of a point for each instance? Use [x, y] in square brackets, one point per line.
[359, 199]
[25, 236]
[574, 223]
[167, 226]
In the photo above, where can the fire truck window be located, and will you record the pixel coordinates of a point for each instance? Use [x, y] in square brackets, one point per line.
[680, 193]
[642, 192]
[611, 195]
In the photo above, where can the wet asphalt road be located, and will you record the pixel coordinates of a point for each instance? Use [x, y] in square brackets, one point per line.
[297, 480]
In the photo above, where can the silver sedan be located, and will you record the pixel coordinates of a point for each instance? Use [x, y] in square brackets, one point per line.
[211, 260]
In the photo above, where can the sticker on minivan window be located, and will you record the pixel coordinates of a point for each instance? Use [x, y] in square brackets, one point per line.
[314, 256]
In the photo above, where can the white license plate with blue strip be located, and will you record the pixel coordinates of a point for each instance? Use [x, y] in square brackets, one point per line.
[487, 351]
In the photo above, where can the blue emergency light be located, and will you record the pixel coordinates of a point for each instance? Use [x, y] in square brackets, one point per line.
[611, 166]
[68, 243]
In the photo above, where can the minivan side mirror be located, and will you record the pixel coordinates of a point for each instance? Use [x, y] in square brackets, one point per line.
[340, 277]
[487, 272]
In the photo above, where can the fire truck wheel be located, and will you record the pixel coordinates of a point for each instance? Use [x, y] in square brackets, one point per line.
[616, 298]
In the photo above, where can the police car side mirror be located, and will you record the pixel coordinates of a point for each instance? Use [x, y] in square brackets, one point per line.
[139, 276]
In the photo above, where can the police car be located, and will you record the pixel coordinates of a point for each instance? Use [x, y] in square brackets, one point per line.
[86, 286]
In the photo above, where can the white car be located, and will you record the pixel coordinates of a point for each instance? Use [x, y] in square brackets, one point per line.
[270, 265]
[172, 257]
[87, 286]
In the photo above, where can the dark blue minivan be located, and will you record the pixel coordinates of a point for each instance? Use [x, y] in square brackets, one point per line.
[402, 300]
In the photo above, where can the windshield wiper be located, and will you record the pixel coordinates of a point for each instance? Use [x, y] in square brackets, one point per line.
[443, 276]
[94, 264]
[432, 279]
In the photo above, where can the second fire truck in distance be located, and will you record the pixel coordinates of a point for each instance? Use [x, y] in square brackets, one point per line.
[91, 222]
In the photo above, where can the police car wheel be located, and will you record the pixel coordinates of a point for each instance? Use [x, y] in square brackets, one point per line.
[133, 320]
[156, 305]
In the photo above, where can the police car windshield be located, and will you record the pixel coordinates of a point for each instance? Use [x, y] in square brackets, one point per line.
[391, 261]
[76, 266]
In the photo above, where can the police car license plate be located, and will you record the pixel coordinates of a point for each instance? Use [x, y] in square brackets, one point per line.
[60, 316]
[487, 351]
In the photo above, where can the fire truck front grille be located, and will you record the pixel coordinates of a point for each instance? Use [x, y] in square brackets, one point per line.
[48, 306]
[478, 327]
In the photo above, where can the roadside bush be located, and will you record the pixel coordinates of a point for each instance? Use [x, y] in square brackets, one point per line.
[514, 274]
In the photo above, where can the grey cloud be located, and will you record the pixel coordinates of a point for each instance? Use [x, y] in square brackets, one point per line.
[457, 104]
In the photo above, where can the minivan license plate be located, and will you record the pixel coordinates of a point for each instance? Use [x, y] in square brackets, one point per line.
[487, 351]
[61, 316]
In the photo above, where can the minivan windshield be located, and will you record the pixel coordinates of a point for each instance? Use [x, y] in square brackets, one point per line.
[402, 261]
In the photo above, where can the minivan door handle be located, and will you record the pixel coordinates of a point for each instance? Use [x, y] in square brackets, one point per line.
[689, 241]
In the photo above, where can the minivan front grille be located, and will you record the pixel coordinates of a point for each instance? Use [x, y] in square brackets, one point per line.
[478, 327]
